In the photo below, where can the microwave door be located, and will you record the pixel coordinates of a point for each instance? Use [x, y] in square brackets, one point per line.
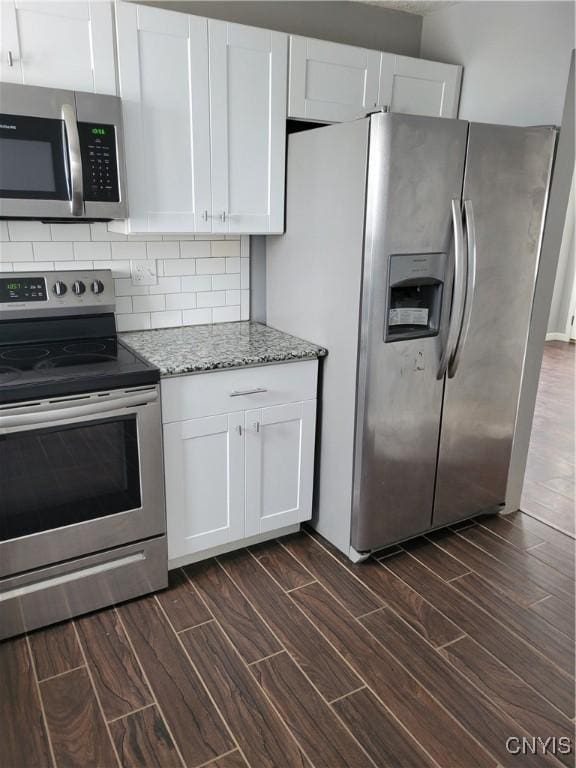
[36, 176]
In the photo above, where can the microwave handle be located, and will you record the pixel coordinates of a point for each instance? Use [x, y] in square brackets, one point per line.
[75, 158]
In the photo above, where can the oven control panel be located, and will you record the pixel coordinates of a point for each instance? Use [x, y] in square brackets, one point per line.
[99, 162]
[62, 292]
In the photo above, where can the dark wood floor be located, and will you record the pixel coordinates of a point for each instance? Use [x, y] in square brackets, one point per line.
[288, 655]
[549, 488]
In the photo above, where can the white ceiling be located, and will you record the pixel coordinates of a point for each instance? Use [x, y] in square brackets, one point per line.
[419, 7]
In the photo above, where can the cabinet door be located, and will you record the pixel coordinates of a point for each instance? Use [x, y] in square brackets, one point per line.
[163, 74]
[248, 71]
[279, 465]
[330, 82]
[420, 87]
[58, 45]
[204, 470]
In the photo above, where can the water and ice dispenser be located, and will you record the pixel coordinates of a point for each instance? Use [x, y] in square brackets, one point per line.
[415, 284]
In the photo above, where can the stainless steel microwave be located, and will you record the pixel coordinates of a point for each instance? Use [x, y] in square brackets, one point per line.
[61, 154]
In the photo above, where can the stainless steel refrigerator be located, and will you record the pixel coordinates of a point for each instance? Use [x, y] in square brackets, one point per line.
[411, 252]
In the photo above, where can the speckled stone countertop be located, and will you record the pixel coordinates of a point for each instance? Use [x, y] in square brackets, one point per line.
[197, 348]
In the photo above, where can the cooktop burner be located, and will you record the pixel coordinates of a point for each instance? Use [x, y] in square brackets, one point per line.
[84, 347]
[24, 353]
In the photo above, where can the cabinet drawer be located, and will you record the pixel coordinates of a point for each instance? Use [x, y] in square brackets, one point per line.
[207, 394]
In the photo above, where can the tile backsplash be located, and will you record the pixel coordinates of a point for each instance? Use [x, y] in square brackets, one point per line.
[199, 278]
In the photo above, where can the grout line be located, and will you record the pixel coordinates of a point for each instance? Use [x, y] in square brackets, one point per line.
[265, 658]
[132, 712]
[40, 701]
[451, 642]
[308, 583]
[216, 759]
[369, 613]
[61, 674]
[351, 693]
[150, 688]
[200, 678]
[460, 576]
[193, 626]
[535, 546]
[98, 702]
[541, 600]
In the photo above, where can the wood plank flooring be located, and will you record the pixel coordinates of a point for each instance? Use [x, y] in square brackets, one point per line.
[549, 486]
[429, 655]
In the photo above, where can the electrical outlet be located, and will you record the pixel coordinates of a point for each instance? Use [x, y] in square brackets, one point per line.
[143, 272]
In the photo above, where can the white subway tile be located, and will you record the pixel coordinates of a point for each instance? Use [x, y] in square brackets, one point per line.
[180, 267]
[144, 237]
[181, 236]
[123, 305]
[70, 232]
[211, 299]
[233, 237]
[134, 322]
[245, 273]
[28, 230]
[225, 282]
[232, 297]
[225, 314]
[199, 283]
[210, 266]
[119, 268]
[163, 250]
[128, 250]
[244, 247]
[4, 231]
[209, 237]
[99, 231]
[166, 285]
[244, 305]
[194, 249]
[148, 303]
[16, 252]
[74, 266]
[35, 266]
[124, 287]
[88, 251]
[233, 264]
[196, 316]
[225, 248]
[165, 319]
[181, 301]
[53, 251]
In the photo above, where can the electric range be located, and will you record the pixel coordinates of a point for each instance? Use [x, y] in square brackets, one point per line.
[82, 513]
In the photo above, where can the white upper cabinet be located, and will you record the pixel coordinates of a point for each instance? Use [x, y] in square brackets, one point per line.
[330, 82]
[58, 45]
[248, 74]
[419, 87]
[163, 76]
[204, 122]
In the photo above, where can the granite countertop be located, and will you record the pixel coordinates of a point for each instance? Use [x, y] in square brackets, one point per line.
[196, 348]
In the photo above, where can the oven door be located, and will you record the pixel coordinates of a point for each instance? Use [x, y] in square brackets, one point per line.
[40, 161]
[79, 475]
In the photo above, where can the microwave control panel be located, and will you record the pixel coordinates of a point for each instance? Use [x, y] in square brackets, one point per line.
[99, 162]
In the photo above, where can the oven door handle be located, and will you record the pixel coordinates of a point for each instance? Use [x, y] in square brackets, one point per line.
[63, 415]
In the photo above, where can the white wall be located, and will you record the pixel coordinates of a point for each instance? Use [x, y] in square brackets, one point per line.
[516, 57]
[565, 286]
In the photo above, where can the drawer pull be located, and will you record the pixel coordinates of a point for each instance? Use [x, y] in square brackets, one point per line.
[241, 392]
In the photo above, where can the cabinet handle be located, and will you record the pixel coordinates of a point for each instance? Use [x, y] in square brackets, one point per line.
[205, 215]
[256, 426]
[239, 429]
[223, 216]
[10, 59]
[242, 392]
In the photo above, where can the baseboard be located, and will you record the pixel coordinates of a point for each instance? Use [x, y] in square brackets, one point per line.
[557, 337]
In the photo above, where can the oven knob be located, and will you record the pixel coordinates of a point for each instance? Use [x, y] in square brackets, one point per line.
[59, 288]
[97, 286]
[78, 287]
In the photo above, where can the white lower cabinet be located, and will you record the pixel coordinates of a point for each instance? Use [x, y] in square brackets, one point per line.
[238, 474]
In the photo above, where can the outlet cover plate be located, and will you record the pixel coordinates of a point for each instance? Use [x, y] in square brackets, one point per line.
[143, 272]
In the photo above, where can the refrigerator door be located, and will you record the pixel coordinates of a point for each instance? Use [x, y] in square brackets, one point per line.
[505, 195]
[416, 167]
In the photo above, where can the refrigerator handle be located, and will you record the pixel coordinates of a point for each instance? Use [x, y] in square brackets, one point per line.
[470, 284]
[459, 290]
